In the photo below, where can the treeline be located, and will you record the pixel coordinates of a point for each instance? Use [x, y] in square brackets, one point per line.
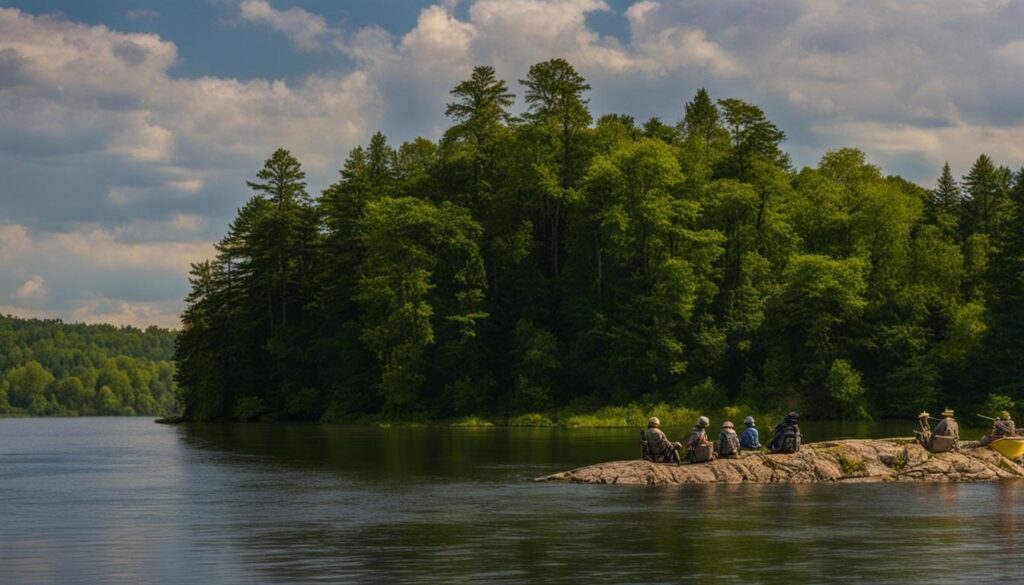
[52, 368]
[548, 260]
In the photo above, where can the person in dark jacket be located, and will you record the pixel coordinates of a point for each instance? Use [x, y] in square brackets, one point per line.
[728, 441]
[1001, 427]
[749, 439]
[787, 428]
[659, 447]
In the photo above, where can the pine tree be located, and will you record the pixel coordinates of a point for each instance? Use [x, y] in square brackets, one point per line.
[481, 105]
[943, 207]
[282, 238]
[480, 111]
[751, 135]
[554, 95]
[985, 189]
[702, 122]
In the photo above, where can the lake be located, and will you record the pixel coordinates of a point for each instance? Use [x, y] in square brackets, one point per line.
[123, 500]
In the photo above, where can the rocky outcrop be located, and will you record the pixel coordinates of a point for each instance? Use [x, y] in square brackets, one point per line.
[832, 461]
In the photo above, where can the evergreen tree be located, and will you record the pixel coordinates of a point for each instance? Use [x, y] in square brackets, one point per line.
[282, 237]
[943, 208]
[479, 111]
[751, 135]
[985, 190]
[554, 96]
[702, 122]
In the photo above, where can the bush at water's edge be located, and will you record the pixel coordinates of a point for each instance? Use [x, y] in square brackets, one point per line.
[631, 415]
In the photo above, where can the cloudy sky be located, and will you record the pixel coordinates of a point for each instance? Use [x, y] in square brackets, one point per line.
[128, 129]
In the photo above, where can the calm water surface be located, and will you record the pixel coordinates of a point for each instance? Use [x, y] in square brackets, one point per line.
[128, 501]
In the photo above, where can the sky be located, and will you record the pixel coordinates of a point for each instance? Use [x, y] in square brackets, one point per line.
[128, 129]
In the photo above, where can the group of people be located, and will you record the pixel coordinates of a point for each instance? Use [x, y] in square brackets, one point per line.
[657, 447]
[945, 436]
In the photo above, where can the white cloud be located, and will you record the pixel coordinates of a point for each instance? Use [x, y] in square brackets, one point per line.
[121, 312]
[14, 239]
[102, 92]
[664, 47]
[104, 310]
[187, 185]
[932, 144]
[93, 275]
[307, 30]
[1011, 53]
[144, 142]
[28, 312]
[100, 248]
[439, 41]
[32, 290]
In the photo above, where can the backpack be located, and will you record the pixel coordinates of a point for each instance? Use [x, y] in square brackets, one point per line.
[701, 453]
[729, 444]
[790, 442]
[699, 448]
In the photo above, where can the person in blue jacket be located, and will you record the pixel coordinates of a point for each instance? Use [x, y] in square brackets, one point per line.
[749, 439]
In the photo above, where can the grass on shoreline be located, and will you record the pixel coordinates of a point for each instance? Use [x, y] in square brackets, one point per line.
[629, 416]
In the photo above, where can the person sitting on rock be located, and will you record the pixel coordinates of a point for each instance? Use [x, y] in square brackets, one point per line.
[749, 439]
[1001, 427]
[658, 448]
[698, 449]
[947, 427]
[728, 441]
[924, 436]
[946, 434]
[787, 435]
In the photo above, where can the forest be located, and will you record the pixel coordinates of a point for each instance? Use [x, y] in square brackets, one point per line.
[52, 368]
[526, 263]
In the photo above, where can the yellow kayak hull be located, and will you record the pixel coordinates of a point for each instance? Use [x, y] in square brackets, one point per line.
[1011, 447]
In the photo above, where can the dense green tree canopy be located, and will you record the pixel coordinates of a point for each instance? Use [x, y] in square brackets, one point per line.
[51, 368]
[541, 261]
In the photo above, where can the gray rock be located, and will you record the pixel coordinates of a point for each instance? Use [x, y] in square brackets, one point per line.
[854, 460]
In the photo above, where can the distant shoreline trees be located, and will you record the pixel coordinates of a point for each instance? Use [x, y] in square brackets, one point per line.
[548, 260]
[50, 368]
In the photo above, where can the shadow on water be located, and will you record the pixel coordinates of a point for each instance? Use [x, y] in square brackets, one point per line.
[432, 504]
[459, 451]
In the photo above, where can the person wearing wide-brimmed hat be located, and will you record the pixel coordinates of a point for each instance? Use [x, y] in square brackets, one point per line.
[924, 436]
[947, 427]
[1001, 427]
[658, 447]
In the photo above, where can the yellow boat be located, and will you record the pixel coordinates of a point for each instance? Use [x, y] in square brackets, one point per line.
[1011, 447]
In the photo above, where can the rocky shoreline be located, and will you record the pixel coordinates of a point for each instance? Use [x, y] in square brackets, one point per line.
[854, 460]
